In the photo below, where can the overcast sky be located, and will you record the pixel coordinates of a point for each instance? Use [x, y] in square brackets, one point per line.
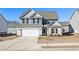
[13, 14]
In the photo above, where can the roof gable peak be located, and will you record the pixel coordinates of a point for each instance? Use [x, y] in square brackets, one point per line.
[26, 12]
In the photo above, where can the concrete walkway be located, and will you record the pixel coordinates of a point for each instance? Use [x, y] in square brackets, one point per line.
[30, 43]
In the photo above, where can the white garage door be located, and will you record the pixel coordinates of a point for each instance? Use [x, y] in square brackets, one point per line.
[30, 32]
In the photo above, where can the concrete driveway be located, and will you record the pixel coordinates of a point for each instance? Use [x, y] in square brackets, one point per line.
[21, 43]
[29, 44]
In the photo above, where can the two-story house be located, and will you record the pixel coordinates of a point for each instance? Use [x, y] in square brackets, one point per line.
[38, 23]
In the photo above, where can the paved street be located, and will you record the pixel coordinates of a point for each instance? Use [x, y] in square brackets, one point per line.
[30, 43]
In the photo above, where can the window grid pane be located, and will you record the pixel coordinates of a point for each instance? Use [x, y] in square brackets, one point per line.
[38, 20]
[52, 30]
[33, 20]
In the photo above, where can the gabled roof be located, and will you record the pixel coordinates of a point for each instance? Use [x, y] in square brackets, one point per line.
[54, 25]
[44, 14]
[36, 15]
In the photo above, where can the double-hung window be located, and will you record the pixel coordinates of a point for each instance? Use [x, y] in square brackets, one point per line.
[27, 21]
[33, 20]
[38, 20]
[52, 30]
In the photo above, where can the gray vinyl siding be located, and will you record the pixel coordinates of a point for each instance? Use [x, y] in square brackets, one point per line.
[40, 21]
[31, 21]
[3, 25]
[36, 21]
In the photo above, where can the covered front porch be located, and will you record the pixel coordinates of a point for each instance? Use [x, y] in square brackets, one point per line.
[51, 31]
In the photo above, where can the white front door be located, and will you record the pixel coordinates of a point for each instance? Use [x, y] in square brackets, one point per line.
[60, 31]
[30, 32]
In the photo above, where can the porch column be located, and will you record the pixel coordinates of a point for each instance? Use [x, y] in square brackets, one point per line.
[55, 30]
[59, 31]
[48, 31]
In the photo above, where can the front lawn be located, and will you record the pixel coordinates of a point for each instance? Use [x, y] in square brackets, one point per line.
[65, 38]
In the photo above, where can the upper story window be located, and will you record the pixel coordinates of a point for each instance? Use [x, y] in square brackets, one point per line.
[38, 20]
[27, 21]
[33, 20]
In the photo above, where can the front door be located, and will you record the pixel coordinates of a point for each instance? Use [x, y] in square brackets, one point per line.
[44, 31]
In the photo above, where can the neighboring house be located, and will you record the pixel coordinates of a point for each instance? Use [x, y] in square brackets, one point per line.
[12, 27]
[3, 25]
[74, 21]
[38, 23]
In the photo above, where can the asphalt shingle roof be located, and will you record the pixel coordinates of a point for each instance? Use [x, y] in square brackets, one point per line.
[44, 14]
[48, 14]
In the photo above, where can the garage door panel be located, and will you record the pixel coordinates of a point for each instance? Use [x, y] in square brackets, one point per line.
[30, 32]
